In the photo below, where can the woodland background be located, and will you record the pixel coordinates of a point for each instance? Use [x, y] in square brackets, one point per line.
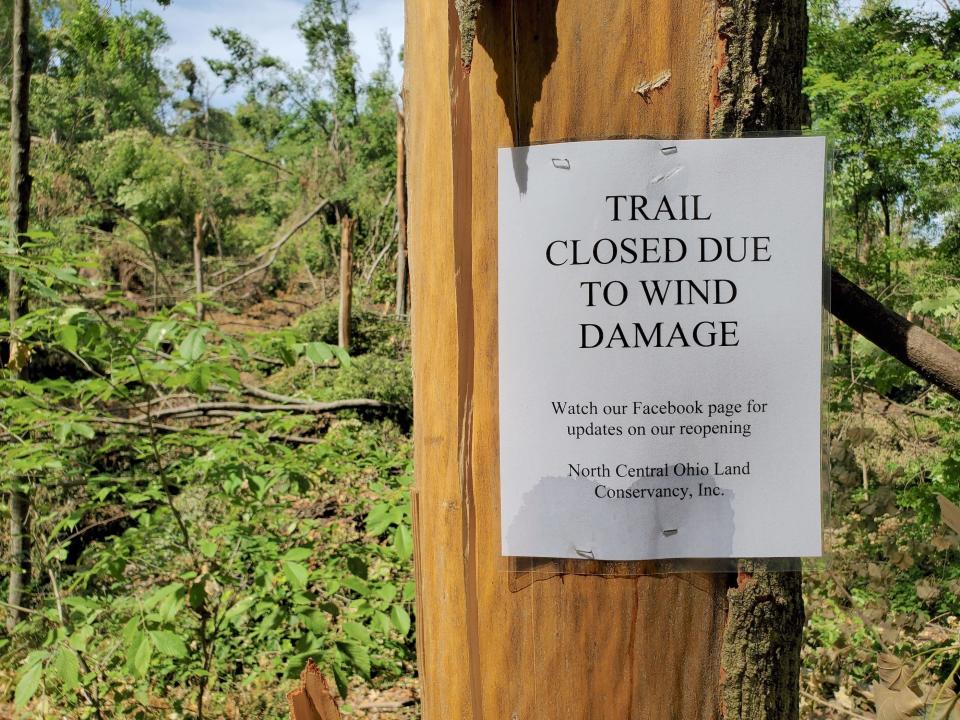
[206, 449]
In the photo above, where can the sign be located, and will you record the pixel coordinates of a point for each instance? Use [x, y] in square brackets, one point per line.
[660, 308]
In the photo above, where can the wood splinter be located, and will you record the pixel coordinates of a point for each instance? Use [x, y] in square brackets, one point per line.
[313, 699]
[646, 87]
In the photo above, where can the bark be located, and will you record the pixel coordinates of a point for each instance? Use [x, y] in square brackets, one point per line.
[198, 260]
[910, 344]
[401, 217]
[347, 224]
[760, 659]
[20, 185]
[760, 53]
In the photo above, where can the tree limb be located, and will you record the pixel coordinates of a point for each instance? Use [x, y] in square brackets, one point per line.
[228, 148]
[929, 356]
[241, 407]
[270, 254]
[294, 439]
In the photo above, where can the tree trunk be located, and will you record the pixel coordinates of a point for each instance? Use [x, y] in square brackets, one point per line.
[198, 260]
[347, 224]
[540, 640]
[401, 217]
[760, 54]
[20, 185]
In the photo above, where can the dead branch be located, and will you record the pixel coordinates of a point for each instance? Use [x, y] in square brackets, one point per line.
[228, 148]
[254, 391]
[270, 254]
[300, 408]
[148, 427]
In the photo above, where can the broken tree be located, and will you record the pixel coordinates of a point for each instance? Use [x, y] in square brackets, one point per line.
[542, 641]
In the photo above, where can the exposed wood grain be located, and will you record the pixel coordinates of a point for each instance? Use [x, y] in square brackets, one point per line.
[347, 225]
[401, 195]
[313, 699]
[550, 641]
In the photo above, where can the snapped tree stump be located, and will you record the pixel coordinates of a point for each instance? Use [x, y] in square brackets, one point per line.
[554, 641]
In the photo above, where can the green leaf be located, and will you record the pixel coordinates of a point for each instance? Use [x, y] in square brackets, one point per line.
[356, 584]
[130, 631]
[403, 543]
[381, 516]
[400, 619]
[342, 679]
[78, 641]
[318, 352]
[342, 355]
[358, 567]
[139, 660]
[28, 685]
[207, 548]
[381, 622]
[386, 592]
[356, 655]
[66, 318]
[297, 554]
[68, 337]
[315, 621]
[168, 643]
[357, 631]
[198, 379]
[193, 345]
[158, 332]
[66, 666]
[240, 608]
[197, 595]
[296, 573]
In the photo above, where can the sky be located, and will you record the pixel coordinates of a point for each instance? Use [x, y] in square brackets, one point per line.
[271, 24]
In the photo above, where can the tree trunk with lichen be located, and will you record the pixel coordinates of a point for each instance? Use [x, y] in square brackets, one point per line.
[538, 640]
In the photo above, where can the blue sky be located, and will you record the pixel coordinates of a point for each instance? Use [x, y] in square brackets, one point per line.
[270, 23]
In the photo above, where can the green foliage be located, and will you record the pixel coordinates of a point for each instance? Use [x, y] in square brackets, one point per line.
[99, 74]
[370, 332]
[228, 552]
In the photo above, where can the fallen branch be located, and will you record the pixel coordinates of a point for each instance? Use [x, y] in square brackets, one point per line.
[929, 356]
[242, 407]
[237, 435]
[270, 254]
[832, 706]
[255, 391]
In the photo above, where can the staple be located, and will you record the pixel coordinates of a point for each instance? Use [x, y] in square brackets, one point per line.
[561, 163]
[669, 149]
[668, 533]
[585, 553]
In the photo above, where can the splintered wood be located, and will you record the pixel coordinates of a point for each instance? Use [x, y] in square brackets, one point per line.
[313, 699]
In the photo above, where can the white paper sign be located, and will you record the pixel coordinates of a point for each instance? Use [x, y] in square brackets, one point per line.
[660, 348]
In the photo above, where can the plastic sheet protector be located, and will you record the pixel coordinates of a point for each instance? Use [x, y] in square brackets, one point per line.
[660, 348]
